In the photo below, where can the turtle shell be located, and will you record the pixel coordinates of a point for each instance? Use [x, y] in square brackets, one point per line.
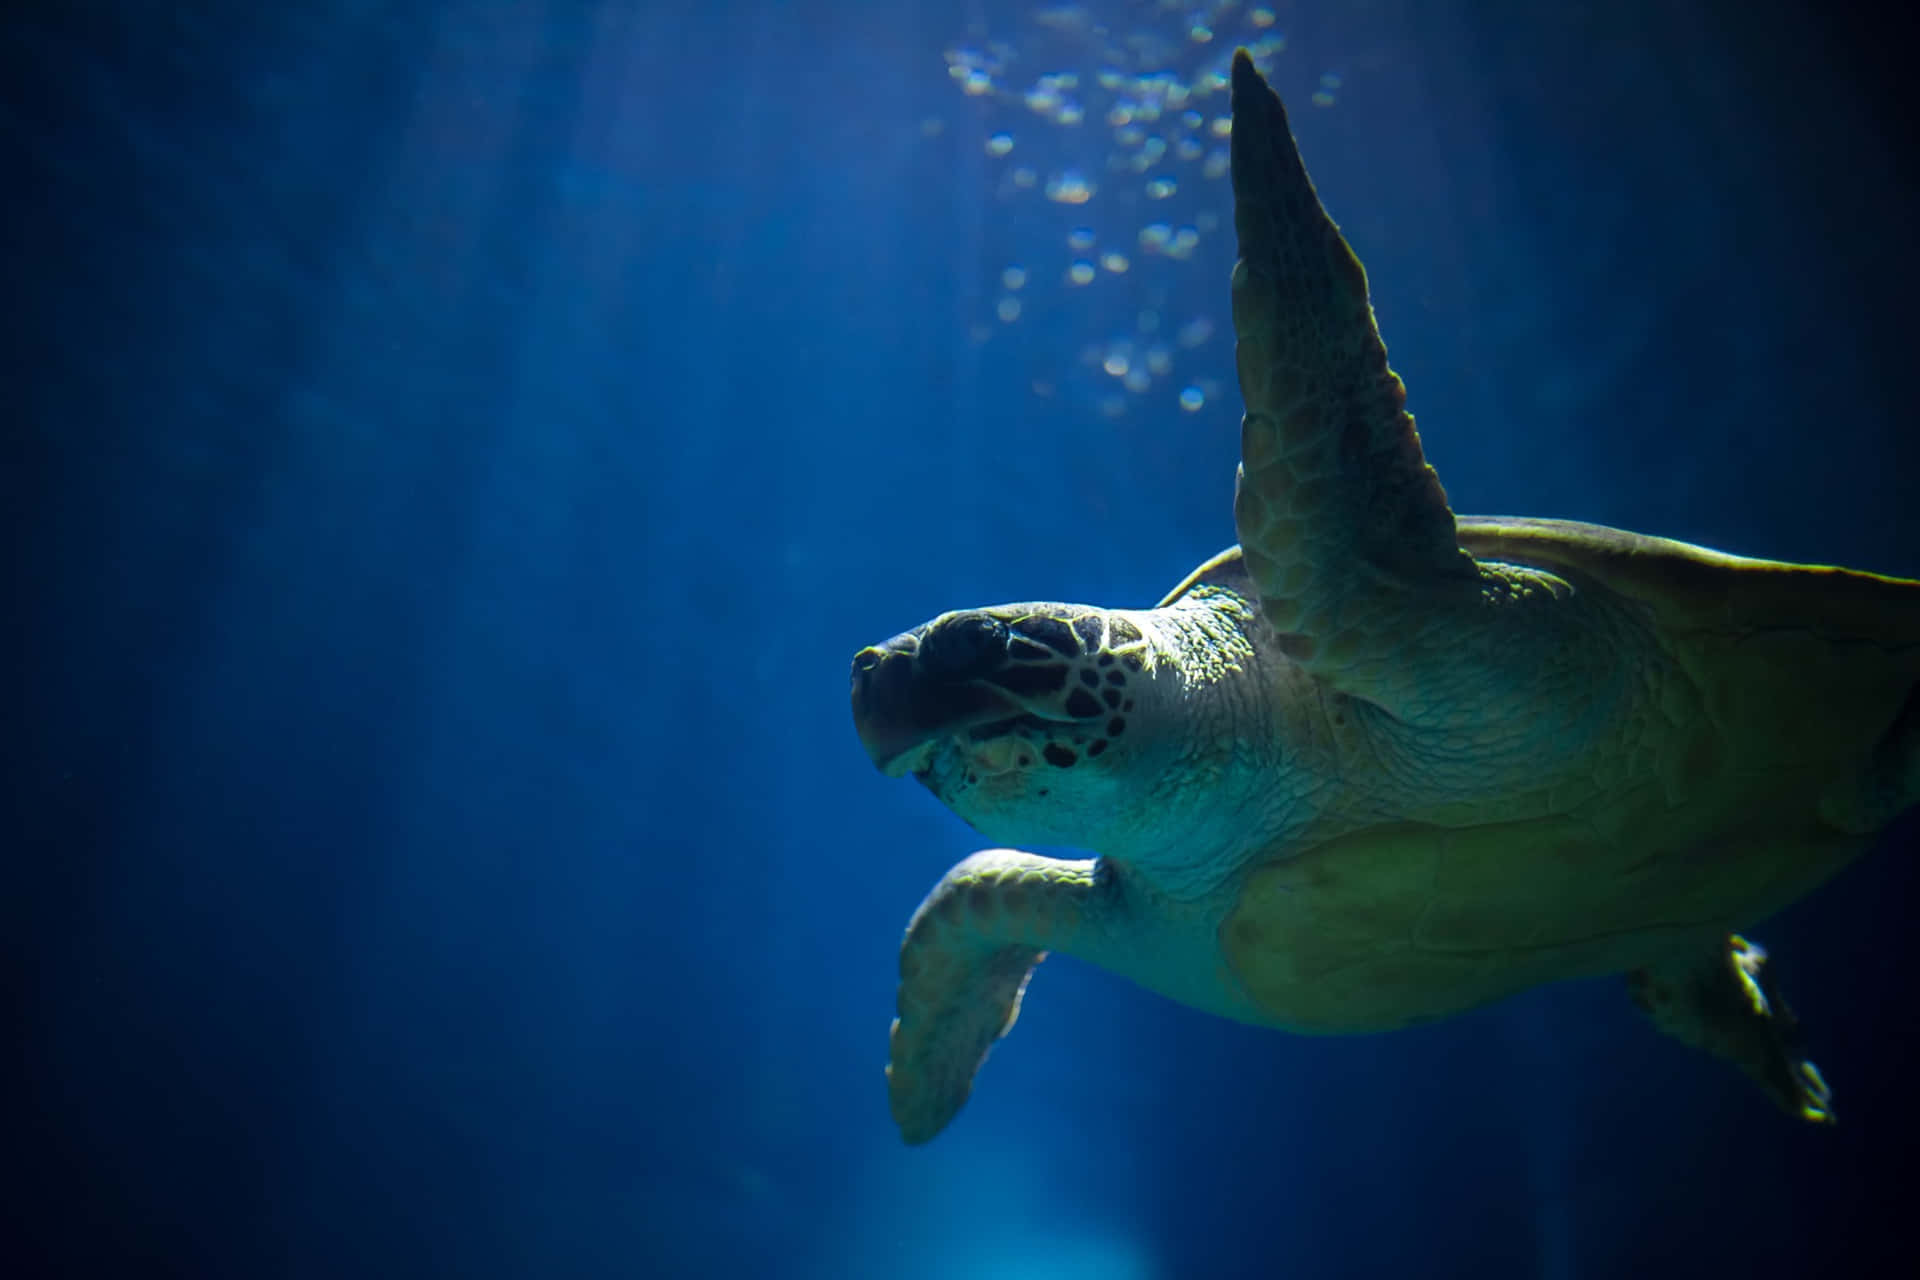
[1783, 733]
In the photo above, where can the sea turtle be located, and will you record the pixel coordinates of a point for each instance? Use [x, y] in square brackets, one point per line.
[1378, 765]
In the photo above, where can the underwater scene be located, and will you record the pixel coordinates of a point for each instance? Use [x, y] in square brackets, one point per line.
[518, 513]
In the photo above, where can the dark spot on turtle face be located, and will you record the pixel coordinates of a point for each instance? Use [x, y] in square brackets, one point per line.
[1106, 659]
[1059, 756]
[1116, 677]
[1116, 727]
[1112, 698]
[1042, 791]
[1123, 632]
[1051, 632]
[972, 778]
[1088, 628]
[1099, 745]
[1028, 681]
[1027, 650]
[1082, 704]
[1127, 705]
[1025, 760]
[1089, 677]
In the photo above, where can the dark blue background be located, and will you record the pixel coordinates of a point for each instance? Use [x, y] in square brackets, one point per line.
[452, 451]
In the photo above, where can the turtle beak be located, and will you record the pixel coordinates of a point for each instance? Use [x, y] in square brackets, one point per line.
[883, 705]
[908, 694]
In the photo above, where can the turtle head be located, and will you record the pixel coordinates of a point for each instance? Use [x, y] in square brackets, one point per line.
[1026, 719]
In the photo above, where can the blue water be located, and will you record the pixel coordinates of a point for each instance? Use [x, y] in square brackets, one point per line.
[455, 450]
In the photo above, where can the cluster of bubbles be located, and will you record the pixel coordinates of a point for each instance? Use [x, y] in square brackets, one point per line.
[1121, 122]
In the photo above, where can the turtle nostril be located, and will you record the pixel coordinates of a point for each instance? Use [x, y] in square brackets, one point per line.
[880, 676]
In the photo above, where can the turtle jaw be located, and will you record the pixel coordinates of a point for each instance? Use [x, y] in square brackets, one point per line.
[904, 714]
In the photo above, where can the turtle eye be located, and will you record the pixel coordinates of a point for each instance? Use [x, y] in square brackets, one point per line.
[1051, 632]
[1030, 681]
[1024, 650]
[963, 647]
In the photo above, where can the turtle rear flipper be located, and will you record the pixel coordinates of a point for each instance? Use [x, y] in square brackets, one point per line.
[1721, 1000]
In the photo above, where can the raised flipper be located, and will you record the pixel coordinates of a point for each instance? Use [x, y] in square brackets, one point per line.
[1345, 528]
[968, 953]
[1722, 1001]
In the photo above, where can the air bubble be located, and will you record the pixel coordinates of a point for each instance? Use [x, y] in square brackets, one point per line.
[1070, 187]
[999, 144]
[1191, 399]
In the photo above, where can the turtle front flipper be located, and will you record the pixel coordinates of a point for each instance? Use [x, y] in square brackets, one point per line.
[1722, 1001]
[1345, 529]
[968, 953]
